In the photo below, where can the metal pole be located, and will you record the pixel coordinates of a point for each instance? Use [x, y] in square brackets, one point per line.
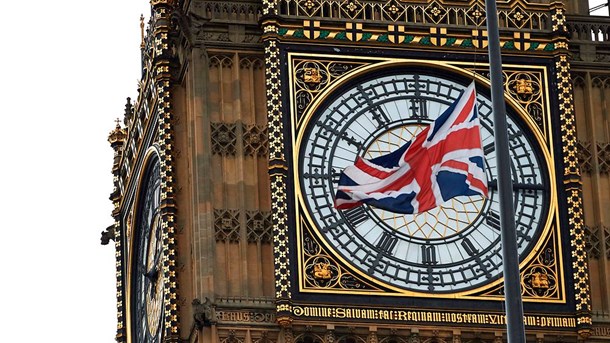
[512, 280]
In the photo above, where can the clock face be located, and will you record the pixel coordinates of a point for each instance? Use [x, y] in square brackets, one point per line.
[453, 248]
[148, 275]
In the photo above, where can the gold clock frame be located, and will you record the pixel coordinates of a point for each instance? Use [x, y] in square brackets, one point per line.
[543, 136]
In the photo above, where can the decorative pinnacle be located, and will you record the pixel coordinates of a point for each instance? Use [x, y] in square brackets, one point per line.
[118, 135]
[142, 31]
[161, 2]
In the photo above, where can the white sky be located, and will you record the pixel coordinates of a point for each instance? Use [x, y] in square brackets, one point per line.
[601, 11]
[67, 67]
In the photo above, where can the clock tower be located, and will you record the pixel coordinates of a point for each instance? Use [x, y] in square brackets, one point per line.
[227, 164]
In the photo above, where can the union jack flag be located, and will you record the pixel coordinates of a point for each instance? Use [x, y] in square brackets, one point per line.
[443, 161]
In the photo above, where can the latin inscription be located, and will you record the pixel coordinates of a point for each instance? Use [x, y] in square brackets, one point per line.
[601, 331]
[250, 317]
[428, 316]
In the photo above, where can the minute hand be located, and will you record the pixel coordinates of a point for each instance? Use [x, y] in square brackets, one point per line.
[493, 184]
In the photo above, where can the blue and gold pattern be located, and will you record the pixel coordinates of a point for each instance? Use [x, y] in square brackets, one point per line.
[431, 24]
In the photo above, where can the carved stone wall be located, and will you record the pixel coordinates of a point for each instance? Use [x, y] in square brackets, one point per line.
[589, 40]
[225, 24]
[240, 182]
[592, 109]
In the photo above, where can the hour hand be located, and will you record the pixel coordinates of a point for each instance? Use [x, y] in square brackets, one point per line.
[152, 273]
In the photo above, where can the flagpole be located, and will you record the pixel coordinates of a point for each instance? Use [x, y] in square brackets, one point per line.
[512, 280]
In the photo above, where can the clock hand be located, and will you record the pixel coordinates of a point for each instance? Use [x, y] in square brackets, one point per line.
[152, 273]
[158, 252]
[493, 184]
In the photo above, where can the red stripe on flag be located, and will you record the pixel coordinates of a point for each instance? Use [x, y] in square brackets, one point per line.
[456, 165]
[476, 183]
[467, 138]
[370, 170]
[347, 205]
[466, 110]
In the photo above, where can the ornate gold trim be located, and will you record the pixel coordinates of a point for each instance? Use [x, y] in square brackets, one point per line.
[573, 188]
[277, 173]
[298, 125]
[322, 271]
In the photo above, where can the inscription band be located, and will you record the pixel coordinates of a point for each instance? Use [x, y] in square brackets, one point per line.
[243, 316]
[428, 316]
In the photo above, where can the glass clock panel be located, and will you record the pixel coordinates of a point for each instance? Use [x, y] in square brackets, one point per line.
[147, 273]
[452, 248]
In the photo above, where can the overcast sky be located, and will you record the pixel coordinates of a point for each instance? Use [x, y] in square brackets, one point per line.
[67, 67]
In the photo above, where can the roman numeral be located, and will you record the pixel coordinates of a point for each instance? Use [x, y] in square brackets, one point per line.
[419, 108]
[387, 242]
[380, 116]
[377, 112]
[493, 219]
[428, 254]
[355, 215]
[469, 247]
[385, 246]
[487, 149]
